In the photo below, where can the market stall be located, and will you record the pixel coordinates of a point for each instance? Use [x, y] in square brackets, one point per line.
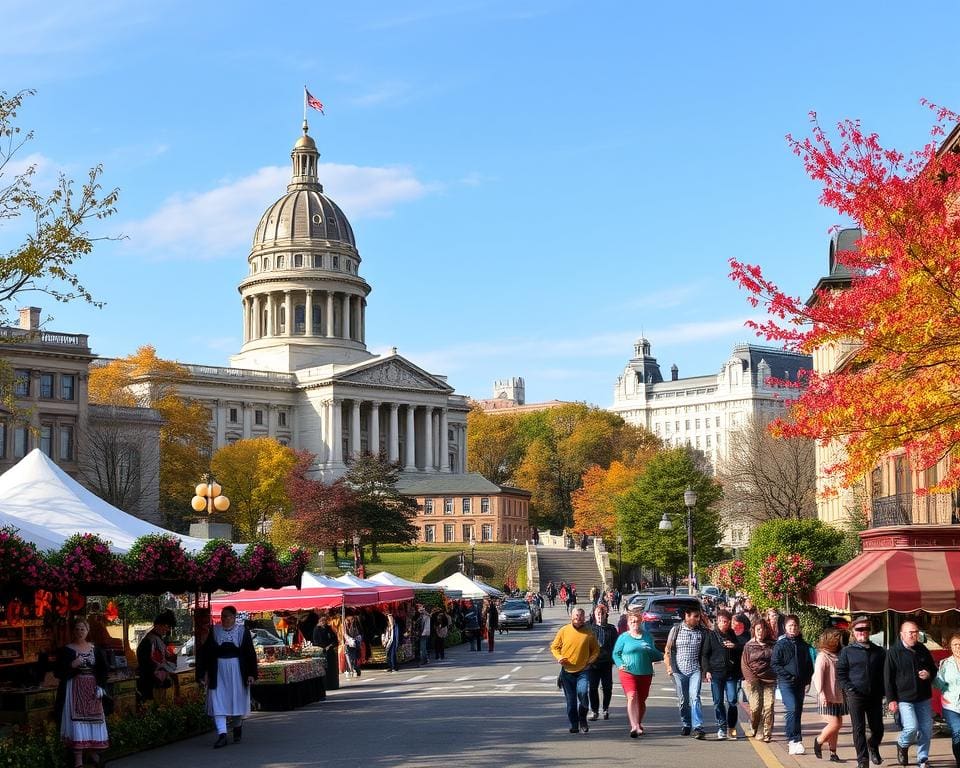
[287, 684]
[60, 543]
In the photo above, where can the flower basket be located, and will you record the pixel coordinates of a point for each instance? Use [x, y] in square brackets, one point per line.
[158, 563]
[785, 577]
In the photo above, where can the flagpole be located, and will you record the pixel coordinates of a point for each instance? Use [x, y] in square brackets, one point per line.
[304, 108]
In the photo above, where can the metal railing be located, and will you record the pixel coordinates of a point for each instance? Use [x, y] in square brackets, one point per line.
[891, 510]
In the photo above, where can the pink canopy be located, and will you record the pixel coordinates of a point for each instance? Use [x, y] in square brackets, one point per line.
[293, 599]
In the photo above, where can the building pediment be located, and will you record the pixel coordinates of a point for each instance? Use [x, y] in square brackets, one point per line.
[394, 372]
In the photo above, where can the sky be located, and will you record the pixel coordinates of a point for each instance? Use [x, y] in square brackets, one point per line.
[532, 185]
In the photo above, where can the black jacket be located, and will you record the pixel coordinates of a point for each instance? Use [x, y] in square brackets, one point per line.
[209, 653]
[717, 659]
[900, 673]
[860, 670]
[609, 633]
[791, 661]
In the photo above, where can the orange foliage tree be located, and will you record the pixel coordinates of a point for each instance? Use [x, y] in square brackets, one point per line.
[145, 380]
[898, 384]
[594, 502]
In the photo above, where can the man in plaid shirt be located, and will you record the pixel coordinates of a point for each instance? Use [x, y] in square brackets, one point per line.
[682, 658]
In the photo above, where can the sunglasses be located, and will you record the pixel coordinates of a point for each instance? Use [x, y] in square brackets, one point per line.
[861, 629]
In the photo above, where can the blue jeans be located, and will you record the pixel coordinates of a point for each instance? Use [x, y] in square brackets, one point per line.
[953, 720]
[688, 698]
[424, 654]
[576, 689]
[792, 696]
[917, 720]
[726, 711]
[392, 656]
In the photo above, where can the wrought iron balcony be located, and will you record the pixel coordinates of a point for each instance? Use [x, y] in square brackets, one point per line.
[892, 510]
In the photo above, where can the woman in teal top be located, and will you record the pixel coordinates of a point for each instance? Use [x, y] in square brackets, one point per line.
[634, 655]
[948, 683]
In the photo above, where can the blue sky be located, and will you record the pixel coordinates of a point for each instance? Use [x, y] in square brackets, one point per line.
[532, 184]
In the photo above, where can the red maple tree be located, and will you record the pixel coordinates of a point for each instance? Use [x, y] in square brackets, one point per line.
[897, 325]
[325, 514]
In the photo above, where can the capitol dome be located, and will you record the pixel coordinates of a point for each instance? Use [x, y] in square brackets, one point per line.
[302, 214]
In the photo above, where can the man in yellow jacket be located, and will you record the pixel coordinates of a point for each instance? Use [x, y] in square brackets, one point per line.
[575, 648]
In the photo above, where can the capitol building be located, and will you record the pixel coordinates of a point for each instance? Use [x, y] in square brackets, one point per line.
[304, 375]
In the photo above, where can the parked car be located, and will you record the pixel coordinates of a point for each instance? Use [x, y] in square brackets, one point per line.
[712, 591]
[535, 608]
[516, 613]
[636, 602]
[663, 611]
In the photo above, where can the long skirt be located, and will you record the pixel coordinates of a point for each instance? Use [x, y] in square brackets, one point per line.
[82, 724]
[231, 697]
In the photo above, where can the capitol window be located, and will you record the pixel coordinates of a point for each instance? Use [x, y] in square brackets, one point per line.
[266, 263]
[317, 261]
[336, 262]
[281, 261]
[297, 260]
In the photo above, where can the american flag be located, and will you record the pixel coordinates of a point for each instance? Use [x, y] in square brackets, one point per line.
[314, 102]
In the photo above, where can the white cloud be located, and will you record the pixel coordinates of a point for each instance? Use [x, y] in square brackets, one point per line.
[221, 220]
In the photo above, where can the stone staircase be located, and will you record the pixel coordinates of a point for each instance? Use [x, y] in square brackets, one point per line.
[569, 565]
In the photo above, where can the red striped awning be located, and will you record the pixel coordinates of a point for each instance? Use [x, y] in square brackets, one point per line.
[293, 599]
[892, 575]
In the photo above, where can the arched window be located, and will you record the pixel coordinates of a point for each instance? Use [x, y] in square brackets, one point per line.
[297, 260]
[281, 261]
[266, 263]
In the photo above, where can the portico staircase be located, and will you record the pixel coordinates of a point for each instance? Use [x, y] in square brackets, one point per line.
[569, 565]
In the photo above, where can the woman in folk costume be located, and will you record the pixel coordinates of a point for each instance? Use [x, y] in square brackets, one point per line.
[228, 667]
[82, 671]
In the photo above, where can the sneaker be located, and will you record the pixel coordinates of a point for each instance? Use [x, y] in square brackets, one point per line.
[594, 715]
[834, 758]
[574, 729]
[799, 750]
[732, 735]
[606, 714]
[721, 735]
[791, 749]
[922, 764]
[903, 755]
[698, 733]
[875, 756]
[767, 739]
[584, 727]
[685, 731]
[817, 748]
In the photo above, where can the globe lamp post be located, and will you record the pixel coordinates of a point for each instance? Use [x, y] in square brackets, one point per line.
[209, 497]
[689, 501]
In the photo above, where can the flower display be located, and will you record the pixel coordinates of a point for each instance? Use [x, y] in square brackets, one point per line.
[155, 563]
[786, 576]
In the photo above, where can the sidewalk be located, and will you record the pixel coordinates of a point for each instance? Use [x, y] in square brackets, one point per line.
[775, 753]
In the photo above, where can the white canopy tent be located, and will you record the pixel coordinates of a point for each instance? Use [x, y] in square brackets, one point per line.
[475, 590]
[48, 507]
[385, 577]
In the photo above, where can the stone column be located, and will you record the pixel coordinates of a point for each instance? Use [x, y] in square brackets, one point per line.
[337, 426]
[256, 318]
[219, 408]
[444, 446]
[308, 313]
[246, 319]
[428, 439]
[363, 320]
[247, 420]
[288, 313]
[354, 428]
[373, 428]
[411, 461]
[393, 434]
[345, 311]
[329, 314]
[268, 320]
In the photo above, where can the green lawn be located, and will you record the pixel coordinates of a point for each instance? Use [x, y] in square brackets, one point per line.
[432, 562]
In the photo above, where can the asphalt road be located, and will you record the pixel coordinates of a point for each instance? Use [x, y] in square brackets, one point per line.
[473, 709]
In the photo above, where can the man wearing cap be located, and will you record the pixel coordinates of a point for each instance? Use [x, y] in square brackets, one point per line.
[154, 664]
[860, 677]
[908, 674]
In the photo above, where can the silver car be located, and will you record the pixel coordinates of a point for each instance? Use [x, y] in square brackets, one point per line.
[516, 613]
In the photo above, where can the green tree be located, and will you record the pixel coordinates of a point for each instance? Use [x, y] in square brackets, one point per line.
[384, 514]
[253, 474]
[57, 234]
[659, 489]
[811, 538]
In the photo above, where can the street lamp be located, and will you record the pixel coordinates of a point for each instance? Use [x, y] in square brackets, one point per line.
[209, 497]
[689, 501]
[473, 557]
[619, 563]
[323, 557]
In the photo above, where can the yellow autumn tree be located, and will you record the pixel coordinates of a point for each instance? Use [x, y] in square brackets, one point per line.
[493, 445]
[253, 474]
[594, 502]
[147, 381]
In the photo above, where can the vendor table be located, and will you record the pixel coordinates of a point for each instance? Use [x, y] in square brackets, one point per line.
[283, 685]
[27, 706]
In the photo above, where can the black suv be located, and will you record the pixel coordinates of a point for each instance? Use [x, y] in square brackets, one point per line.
[663, 611]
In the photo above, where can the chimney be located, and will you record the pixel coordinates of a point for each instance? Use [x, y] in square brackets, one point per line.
[30, 318]
[674, 372]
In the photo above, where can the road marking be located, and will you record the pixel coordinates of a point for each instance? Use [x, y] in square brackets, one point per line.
[461, 679]
[415, 678]
[515, 669]
[548, 678]
[504, 677]
[499, 688]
